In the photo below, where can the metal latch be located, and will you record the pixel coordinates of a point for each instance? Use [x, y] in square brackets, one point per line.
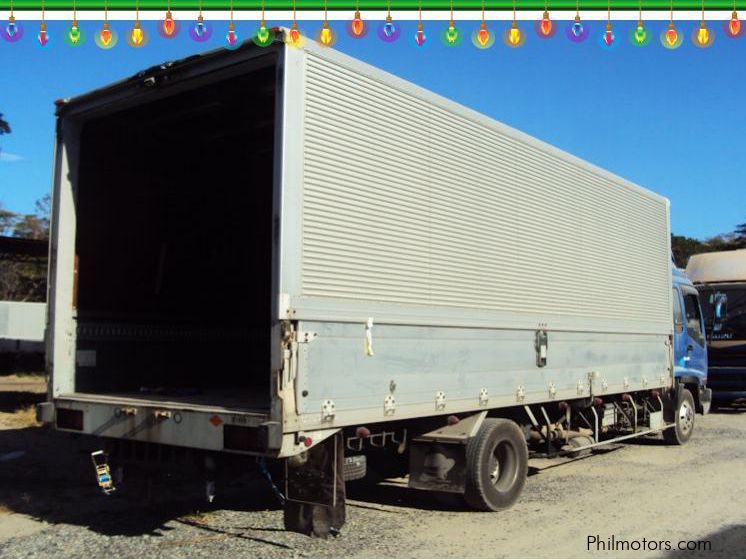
[389, 405]
[306, 336]
[369, 337]
[327, 410]
[541, 345]
[440, 400]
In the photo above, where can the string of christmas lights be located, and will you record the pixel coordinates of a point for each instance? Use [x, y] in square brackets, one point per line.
[388, 31]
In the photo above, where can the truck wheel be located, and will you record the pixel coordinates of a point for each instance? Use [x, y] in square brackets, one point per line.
[683, 419]
[496, 465]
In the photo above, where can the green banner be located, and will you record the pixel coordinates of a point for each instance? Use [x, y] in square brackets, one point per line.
[459, 5]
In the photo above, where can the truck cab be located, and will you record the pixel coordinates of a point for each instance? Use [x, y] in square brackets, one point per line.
[720, 278]
[690, 347]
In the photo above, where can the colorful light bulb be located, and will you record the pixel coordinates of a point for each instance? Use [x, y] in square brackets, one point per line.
[641, 33]
[105, 35]
[73, 34]
[294, 35]
[11, 29]
[199, 28]
[608, 35]
[262, 34]
[483, 35]
[577, 27]
[734, 25]
[452, 33]
[231, 37]
[326, 36]
[420, 37]
[514, 35]
[42, 37]
[389, 29]
[169, 25]
[672, 36]
[703, 34]
[136, 35]
[357, 25]
[546, 24]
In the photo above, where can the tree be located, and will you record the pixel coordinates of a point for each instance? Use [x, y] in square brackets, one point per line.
[4, 126]
[684, 247]
[34, 226]
[740, 235]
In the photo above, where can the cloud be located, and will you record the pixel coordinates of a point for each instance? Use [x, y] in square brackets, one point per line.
[7, 156]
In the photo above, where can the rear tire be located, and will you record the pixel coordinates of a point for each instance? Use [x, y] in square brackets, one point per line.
[683, 419]
[496, 465]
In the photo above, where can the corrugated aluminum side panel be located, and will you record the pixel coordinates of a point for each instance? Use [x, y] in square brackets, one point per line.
[413, 202]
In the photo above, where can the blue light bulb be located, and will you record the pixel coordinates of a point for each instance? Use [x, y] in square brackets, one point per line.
[199, 29]
[577, 29]
[389, 29]
[11, 30]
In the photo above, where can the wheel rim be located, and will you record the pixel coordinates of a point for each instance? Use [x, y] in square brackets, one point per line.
[686, 417]
[503, 466]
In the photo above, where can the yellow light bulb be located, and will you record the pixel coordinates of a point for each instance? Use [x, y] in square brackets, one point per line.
[326, 34]
[514, 35]
[703, 34]
[136, 35]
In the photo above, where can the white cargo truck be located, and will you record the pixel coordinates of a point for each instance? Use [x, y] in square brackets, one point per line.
[286, 253]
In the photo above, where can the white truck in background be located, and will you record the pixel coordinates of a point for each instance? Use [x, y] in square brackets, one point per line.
[288, 254]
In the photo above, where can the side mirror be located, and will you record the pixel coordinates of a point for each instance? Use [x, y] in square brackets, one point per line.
[720, 311]
[721, 306]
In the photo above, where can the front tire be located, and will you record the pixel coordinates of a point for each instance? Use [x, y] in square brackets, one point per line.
[496, 465]
[683, 419]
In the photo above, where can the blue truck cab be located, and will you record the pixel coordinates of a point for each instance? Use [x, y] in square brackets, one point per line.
[689, 344]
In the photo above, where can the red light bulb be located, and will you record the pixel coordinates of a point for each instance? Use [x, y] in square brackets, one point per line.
[483, 36]
[672, 36]
[105, 35]
[608, 35]
[734, 25]
[42, 37]
[357, 26]
[546, 24]
[420, 37]
[231, 37]
[294, 35]
[169, 25]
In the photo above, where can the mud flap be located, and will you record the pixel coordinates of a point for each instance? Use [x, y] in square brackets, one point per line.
[315, 490]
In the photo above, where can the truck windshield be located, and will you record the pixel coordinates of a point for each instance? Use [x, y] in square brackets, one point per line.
[724, 309]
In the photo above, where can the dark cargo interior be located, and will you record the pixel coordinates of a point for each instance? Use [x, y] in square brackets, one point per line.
[174, 246]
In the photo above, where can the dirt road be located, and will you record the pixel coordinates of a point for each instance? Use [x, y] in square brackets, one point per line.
[49, 506]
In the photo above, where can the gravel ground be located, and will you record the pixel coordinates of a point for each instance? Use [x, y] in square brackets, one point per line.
[641, 490]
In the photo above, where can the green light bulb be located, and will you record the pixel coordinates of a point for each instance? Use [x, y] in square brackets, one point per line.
[262, 33]
[74, 33]
[640, 33]
[452, 34]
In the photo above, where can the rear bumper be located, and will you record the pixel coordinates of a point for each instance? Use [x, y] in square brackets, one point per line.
[234, 431]
[727, 382]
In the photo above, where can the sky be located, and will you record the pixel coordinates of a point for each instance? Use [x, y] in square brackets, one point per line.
[672, 121]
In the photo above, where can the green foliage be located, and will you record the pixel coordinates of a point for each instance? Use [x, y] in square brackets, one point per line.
[28, 226]
[684, 247]
[24, 279]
